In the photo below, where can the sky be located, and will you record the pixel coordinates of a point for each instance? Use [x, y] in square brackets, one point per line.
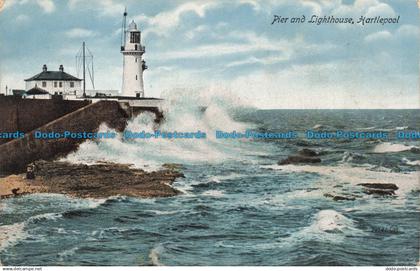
[227, 46]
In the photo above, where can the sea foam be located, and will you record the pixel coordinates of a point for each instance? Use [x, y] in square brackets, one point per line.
[183, 113]
[393, 147]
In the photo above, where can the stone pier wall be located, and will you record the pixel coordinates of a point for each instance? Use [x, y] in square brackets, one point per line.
[16, 154]
[24, 115]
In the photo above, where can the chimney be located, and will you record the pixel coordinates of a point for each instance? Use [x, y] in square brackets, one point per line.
[61, 68]
[44, 68]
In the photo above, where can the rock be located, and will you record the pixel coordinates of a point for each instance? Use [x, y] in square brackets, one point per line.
[338, 197]
[15, 191]
[96, 181]
[307, 153]
[303, 156]
[380, 185]
[383, 189]
[15, 185]
[299, 159]
[173, 166]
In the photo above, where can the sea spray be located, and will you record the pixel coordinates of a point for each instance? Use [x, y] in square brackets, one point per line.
[184, 113]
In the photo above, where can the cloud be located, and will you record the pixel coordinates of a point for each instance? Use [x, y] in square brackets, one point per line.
[381, 9]
[250, 43]
[105, 7]
[195, 31]
[407, 30]
[404, 31]
[8, 3]
[163, 22]
[80, 33]
[325, 85]
[378, 36]
[47, 5]
[22, 18]
[306, 86]
[369, 8]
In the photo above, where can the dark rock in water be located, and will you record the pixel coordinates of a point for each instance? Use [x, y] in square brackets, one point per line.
[303, 156]
[380, 192]
[338, 197]
[299, 159]
[308, 153]
[383, 189]
[415, 150]
[380, 185]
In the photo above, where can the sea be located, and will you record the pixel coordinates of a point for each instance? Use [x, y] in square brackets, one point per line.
[237, 206]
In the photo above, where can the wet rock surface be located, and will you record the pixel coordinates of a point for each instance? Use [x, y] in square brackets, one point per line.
[303, 156]
[93, 181]
[339, 197]
[382, 189]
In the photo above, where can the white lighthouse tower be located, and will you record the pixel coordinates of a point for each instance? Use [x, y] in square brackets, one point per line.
[133, 64]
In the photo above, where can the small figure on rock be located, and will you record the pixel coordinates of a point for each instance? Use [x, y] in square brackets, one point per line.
[30, 172]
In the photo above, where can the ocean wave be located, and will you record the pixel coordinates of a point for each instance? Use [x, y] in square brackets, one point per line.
[187, 187]
[394, 147]
[221, 178]
[155, 254]
[365, 128]
[159, 212]
[411, 163]
[182, 114]
[10, 235]
[324, 127]
[352, 156]
[45, 216]
[213, 193]
[67, 253]
[406, 182]
[330, 226]
[330, 221]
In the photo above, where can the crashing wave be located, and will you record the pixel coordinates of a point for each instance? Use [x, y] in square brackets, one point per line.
[183, 113]
[393, 147]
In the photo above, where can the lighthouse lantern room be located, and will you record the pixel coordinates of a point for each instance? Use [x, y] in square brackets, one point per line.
[133, 63]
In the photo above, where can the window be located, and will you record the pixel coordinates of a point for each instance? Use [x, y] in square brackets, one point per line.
[72, 84]
[135, 37]
[60, 84]
[136, 77]
[44, 84]
[136, 58]
[55, 84]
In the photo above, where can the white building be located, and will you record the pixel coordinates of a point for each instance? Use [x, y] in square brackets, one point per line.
[53, 82]
[134, 65]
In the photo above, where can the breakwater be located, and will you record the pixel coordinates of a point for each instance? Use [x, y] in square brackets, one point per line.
[16, 154]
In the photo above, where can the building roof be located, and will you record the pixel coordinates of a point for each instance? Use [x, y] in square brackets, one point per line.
[37, 91]
[19, 92]
[132, 26]
[53, 76]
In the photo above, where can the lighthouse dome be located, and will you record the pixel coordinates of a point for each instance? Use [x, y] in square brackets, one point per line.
[132, 26]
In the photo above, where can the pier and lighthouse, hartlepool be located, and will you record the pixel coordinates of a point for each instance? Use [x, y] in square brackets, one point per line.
[70, 109]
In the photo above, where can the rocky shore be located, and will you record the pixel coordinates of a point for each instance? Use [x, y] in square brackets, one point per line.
[92, 181]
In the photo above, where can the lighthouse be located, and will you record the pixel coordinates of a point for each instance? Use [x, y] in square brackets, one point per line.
[133, 63]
